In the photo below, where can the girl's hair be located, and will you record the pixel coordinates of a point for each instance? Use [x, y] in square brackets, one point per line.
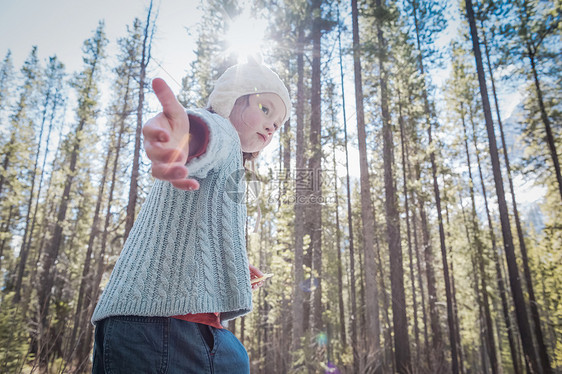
[246, 156]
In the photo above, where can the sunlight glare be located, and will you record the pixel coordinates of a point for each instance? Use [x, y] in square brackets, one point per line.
[245, 34]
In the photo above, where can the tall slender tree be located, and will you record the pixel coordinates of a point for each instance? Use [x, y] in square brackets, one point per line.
[531, 46]
[400, 322]
[367, 216]
[517, 292]
[429, 124]
[51, 99]
[315, 163]
[87, 85]
[352, 290]
[148, 34]
[298, 291]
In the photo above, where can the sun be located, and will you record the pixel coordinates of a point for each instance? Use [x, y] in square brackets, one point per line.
[245, 35]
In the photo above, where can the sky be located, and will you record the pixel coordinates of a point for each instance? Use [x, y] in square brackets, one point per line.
[61, 26]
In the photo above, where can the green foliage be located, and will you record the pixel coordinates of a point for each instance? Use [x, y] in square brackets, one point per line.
[14, 338]
[39, 93]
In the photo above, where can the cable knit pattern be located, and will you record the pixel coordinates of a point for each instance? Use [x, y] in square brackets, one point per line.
[186, 252]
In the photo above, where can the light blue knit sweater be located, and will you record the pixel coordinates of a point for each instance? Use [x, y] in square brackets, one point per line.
[186, 252]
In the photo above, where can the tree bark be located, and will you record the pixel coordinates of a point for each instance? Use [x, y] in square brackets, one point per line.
[553, 154]
[47, 275]
[408, 231]
[450, 316]
[352, 290]
[372, 328]
[499, 277]
[315, 167]
[517, 292]
[145, 60]
[298, 293]
[400, 322]
[489, 332]
[27, 233]
[520, 235]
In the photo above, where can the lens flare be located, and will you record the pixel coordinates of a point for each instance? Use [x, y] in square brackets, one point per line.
[245, 35]
[322, 339]
[330, 368]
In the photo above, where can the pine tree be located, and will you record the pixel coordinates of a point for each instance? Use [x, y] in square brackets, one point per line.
[87, 86]
[520, 308]
[14, 158]
[6, 83]
[400, 323]
[51, 100]
[367, 216]
[144, 61]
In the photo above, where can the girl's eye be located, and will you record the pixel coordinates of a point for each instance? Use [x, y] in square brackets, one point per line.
[275, 126]
[264, 109]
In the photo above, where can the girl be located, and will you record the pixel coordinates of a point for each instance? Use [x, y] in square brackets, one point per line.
[183, 272]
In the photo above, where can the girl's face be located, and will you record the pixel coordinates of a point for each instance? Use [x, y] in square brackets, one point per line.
[256, 117]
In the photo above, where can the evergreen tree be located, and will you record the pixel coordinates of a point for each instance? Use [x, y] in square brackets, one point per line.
[87, 85]
[142, 66]
[16, 160]
[367, 216]
[6, 83]
[400, 324]
[520, 308]
[50, 101]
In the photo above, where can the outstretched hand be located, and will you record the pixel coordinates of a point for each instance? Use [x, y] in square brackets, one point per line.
[256, 277]
[166, 139]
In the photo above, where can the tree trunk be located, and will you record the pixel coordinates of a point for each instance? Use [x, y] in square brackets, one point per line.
[372, 328]
[522, 246]
[499, 277]
[145, 59]
[450, 317]
[47, 275]
[338, 249]
[27, 233]
[418, 258]
[82, 306]
[352, 290]
[553, 154]
[436, 333]
[298, 293]
[517, 292]
[408, 231]
[453, 288]
[400, 322]
[315, 167]
[543, 354]
[85, 345]
[489, 332]
[5, 227]
[6, 160]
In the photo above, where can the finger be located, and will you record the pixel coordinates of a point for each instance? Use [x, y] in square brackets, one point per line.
[169, 171]
[157, 153]
[186, 184]
[155, 130]
[170, 105]
[255, 286]
[255, 272]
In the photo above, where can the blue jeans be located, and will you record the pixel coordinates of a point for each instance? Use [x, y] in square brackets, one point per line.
[131, 344]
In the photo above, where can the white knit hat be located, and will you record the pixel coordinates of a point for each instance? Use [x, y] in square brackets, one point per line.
[244, 79]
